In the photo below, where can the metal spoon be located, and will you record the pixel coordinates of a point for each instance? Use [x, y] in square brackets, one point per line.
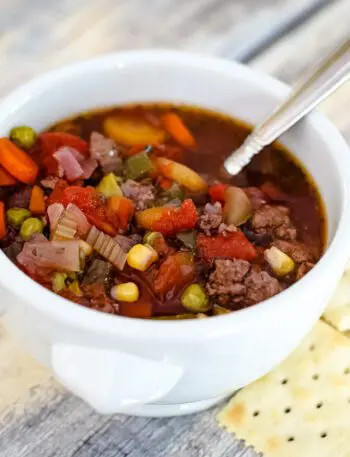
[331, 74]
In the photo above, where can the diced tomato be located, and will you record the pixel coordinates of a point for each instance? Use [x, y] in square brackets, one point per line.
[174, 274]
[119, 211]
[50, 142]
[141, 309]
[165, 183]
[235, 246]
[98, 218]
[88, 200]
[217, 192]
[3, 229]
[169, 220]
[50, 164]
[161, 247]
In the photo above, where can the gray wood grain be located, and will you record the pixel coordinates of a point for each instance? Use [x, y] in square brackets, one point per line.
[37, 35]
[37, 417]
[292, 56]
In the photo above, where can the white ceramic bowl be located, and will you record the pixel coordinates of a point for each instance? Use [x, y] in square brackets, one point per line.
[160, 368]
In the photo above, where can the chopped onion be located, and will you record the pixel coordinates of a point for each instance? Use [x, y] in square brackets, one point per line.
[74, 213]
[72, 223]
[88, 166]
[78, 155]
[104, 151]
[50, 255]
[66, 157]
[54, 213]
[237, 209]
[65, 231]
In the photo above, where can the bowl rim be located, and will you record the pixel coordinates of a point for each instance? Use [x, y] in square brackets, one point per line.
[69, 313]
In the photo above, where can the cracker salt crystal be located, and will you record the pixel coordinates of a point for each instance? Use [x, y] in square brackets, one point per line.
[337, 312]
[302, 407]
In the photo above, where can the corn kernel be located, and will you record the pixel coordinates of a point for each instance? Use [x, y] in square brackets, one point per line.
[280, 262]
[141, 257]
[128, 292]
[75, 288]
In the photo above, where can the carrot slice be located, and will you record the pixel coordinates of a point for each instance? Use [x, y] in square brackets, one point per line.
[168, 220]
[17, 162]
[180, 173]
[37, 201]
[3, 230]
[217, 192]
[120, 210]
[6, 179]
[177, 129]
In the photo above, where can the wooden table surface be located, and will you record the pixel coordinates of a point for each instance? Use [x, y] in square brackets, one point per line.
[38, 418]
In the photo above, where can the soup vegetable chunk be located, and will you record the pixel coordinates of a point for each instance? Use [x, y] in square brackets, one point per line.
[127, 211]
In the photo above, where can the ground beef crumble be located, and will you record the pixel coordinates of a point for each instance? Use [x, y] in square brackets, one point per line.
[260, 286]
[141, 194]
[211, 219]
[304, 268]
[299, 252]
[235, 281]
[274, 221]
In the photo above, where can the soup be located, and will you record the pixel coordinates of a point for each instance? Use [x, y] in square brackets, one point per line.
[127, 211]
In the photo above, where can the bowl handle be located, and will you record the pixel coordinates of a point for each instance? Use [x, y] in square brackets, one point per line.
[112, 381]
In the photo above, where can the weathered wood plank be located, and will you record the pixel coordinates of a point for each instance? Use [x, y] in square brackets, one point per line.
[37, 35]
[293, 56]
[37, 417]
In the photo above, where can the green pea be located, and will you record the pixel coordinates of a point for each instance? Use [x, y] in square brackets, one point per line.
[30, 227]
[151, 237]
[58, 282]
[16, 216]
[195, 299]
[24, 136]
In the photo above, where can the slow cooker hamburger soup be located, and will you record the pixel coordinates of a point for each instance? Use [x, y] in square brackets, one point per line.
[126, 211]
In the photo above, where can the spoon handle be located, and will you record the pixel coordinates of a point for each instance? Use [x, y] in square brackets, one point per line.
[331, 74]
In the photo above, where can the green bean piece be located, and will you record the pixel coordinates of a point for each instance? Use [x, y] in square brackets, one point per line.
[195, 299]
[188, 239]
[109, 187]
[58, 281]
[23, 136]
[139, 165]
[16, 216]
[31, 226]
